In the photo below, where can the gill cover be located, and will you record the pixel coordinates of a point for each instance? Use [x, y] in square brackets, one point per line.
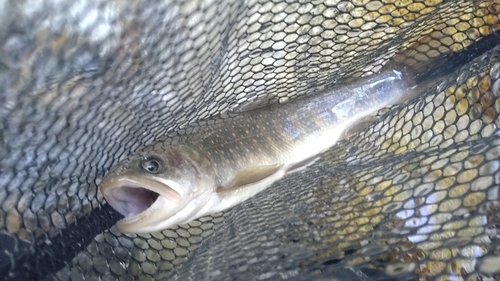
[158, 190]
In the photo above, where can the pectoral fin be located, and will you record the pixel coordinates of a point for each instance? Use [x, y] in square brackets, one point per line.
[359, 126]
[251, 175]
[246, 184]
[302, 164]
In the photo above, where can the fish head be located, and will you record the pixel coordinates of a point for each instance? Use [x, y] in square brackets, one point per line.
[158, 189]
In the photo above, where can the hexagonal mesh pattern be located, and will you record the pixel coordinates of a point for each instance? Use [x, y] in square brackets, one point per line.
[415, 196]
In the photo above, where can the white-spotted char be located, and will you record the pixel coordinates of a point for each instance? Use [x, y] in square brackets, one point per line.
[173, 182]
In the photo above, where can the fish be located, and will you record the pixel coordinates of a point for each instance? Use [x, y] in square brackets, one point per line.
[178, 179]
[166, 185]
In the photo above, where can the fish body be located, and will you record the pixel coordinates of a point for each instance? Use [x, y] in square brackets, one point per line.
[181, 178]
[174, 182]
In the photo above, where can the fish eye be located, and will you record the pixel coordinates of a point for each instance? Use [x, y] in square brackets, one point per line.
[152, 164]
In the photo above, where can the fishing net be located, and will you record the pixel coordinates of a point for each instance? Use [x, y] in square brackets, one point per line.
[415, 196]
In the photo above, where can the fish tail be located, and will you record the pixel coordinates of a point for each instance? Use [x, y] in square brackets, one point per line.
[419, 68]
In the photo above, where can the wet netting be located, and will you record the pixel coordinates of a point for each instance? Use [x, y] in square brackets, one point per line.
[83, 84]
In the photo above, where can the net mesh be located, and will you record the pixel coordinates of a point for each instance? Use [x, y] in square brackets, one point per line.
[83, 84]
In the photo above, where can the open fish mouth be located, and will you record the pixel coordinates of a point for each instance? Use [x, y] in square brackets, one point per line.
[130, 201]
[133, 196]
